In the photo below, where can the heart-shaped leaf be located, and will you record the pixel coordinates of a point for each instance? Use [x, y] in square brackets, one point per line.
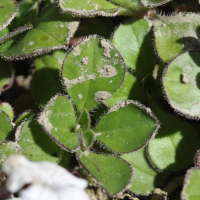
[86, 8]
[8, 10]
[127, 127]
[46, 81]
[191, 185]
[133, 41]
[154, 3]
[8, 148]
[176, 33]
[175, 145]
[35, 144]
[58, 120]
[145, 177]
[113, 173]
[181, 82]
[92, 72]
[52, 30]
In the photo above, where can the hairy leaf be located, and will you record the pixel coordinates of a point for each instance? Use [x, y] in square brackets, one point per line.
[35, 144]
[175, 145]
[8, 10]
[145, 177]
[53, 30]
[176, 33]
[191, 185]
[133, 41]
[58, 120]
[127, 127]
[154, 3]
[92, 72]
[85, 8]
[6, 127]
[112, 172]
[181, 82]
[7, 108]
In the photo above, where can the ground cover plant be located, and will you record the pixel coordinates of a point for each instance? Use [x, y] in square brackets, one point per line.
[107, 89]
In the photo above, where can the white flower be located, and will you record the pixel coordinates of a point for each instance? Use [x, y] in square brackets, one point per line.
[48, 181]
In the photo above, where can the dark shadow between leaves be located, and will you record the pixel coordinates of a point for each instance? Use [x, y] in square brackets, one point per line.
[45, 84]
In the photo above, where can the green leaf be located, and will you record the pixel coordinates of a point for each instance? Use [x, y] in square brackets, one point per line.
[8, 148]
[113, 173]
[8, 10]
[175, 145]
[154, 3]
[28, 11]
[146, 179]
[181, 82]
[46, 80]
[127, 127]
[35, 144]
[86, 8]
[7, 108]
[23, 117]
[4, 32]
[53, 30]
[87, 139]
[58, 120]
[134, 6]
[133, 41]
[130, 89]
[92, 72]
[176, 33]
[83, 121]
[5, 74]
[6, 127]
[191, 185]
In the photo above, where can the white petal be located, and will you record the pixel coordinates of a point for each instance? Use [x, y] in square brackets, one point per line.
[38, 192]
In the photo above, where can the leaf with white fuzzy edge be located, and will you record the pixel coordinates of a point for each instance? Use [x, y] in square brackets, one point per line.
[6, 127]
[173, 149]
[154, 3]
[8, 10]
[92, 71]
[7, 108]
[8, 148]
[146, 178]
[23, 117]
[181, 83]
[191, 185]
[136, 46]
[35, 144]
[53, 30]
[127, 126]
[58, 120]
[87, 138]
[85, 8]
[197, 159]
[113, 173]
[175, 34]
